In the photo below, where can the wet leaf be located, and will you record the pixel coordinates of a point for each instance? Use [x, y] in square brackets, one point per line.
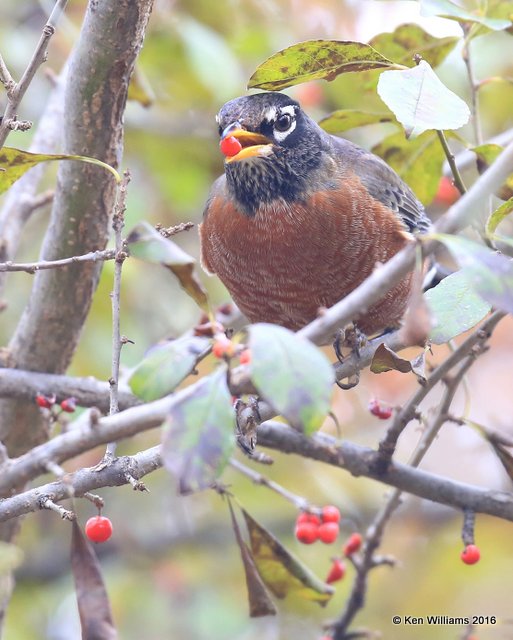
[291, 374]
[199, 435]
[93, 601]
[489, 273]
[14, 163]
[165, 366]
[139, 89]
[455, 307]
[147, 244]
[315, 60]
[447, 9]
[410, 39]
[500, 214]
[420, 101]
[282, 572]
[385, 359]
[345, 119]
[260, 602]
[418, 161]
[486, 156]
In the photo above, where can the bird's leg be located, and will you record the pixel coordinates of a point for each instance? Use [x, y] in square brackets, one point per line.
[350, 337]
[248, 418]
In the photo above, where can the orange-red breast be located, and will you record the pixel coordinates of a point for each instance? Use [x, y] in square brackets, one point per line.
[300, 218]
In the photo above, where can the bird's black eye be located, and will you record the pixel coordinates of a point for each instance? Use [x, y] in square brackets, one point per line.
[283, 122]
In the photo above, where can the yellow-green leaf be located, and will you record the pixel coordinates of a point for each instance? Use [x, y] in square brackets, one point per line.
[315, 60]
[147, 244]
[139, 89]
[282, 572]
[345, 119]
[15, 162]
[498, 216]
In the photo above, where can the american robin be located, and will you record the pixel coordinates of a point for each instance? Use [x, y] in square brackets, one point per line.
[300, 218]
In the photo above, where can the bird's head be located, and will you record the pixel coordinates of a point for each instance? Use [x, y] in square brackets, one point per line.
[279, 148]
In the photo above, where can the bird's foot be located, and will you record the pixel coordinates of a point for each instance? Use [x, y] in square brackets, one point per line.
[348, 342]
[248, 418]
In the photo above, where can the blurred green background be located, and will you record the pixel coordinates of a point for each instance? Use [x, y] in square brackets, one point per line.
[172, 567]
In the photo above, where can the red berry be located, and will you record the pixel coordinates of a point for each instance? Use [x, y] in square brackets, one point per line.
[245, 356]
[230, 146]
[471, 554]
[69, 405]
[45, 402]
[330, 514]
[447, 193]
[353, 544]
[98, 529]
[223, 347]
[337, 571]
[328, 532]
[378, 410]
[305, 516]
[307, 532]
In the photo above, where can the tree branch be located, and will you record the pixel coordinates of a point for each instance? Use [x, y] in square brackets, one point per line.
[33, 267]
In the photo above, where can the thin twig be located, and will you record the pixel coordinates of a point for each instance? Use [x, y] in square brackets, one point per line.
[474, 84]
[15, 95]
[45, 502]
[33, 267]
[298, 501]
[458, 181]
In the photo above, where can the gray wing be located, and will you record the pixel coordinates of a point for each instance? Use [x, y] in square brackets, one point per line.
[383, 183]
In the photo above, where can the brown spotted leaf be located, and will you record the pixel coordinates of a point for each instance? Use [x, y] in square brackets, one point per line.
[282, 572]
[260, 602]
[345, 119]
[14, 163]
[315, 60]
[93, 601]
[385, 359]
[147, 244]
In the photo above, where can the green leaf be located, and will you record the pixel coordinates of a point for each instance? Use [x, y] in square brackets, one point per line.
[420, 101]
[419, 162]
[345, 119]
[282, 572]
[199, 435]
[315, 60]
[147, 244]
[447, 9]
[498, 216]
[165, 366]
[140, 89]
[291, 374]
[14, 163]
[455, 307]
[410, 39]
[486, 156]
[260, 602]
[489, 274]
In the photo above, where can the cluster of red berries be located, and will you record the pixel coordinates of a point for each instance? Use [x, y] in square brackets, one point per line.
[98, 529]
[311, 527]
[338, 568]
[470, 554]
[383, 412]
[47, 402]
[224, 348]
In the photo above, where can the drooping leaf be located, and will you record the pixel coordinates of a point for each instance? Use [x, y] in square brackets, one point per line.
[420, 101]
[489, 273]
[291, 374]
[139, 89]
[165, 366]
[486, 156]
[260, 602]
[282, 572]
[93, 601]
[448, 9]
[345, 119]
[15, 162]
[315, 60]
[502, 447]
[497, 216]
[199, 435]
[385, 359]
[147, 244]
[418, 161]
[410, 39]
[455, 307]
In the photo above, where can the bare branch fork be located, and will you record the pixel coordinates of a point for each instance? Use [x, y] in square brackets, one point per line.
[15, 92]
